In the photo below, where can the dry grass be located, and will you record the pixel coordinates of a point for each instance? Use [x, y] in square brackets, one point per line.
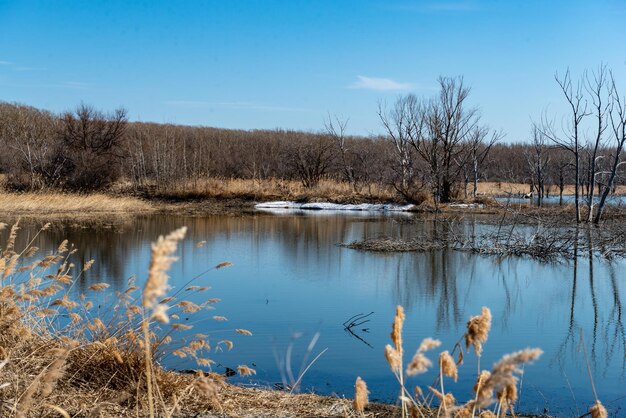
[270, 189]
[504, 188]
[54, 203]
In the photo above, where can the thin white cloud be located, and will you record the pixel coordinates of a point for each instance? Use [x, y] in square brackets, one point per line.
[379, 84]
[5, 62]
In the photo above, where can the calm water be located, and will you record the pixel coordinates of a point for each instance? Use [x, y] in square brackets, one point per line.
[290, 280]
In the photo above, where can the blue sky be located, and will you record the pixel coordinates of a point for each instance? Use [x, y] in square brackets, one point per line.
[287, 64]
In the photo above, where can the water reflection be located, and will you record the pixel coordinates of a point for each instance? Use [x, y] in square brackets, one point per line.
[289, 276]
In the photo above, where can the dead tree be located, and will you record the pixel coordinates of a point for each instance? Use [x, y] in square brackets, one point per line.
[399, 124]
[595, 86]
[538, 159]
[444, 126]
[618, 125]
[569, 137]
[91, 147]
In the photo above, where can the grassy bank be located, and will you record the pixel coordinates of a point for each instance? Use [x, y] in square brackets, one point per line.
[54, 203]
[237, 196]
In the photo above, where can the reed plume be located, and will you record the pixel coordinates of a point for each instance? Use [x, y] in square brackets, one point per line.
[156, 287]
[478, 328]
[448, 366]
[396, 330]
[360, 396]
[598, 410]
[502, 375]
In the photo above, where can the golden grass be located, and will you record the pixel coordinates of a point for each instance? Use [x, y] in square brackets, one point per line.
[51, 203]
[275, 189]
[505, 188]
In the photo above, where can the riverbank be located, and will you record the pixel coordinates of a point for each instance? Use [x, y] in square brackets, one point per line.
[237, 197]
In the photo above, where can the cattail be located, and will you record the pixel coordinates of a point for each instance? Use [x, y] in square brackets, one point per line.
[31, 252]
[464, 411]
[188, 306]
[228, 343]
[10, 266]
[448, 366]
[508, 394]
[160, 262]
[62, 247]
[245, 370]
[478, 328]
[480, 388]
[10, 245]
[88, 265]
[396, 330]
[223, 265]
[98, 287]
[182, 327]
[419, 364]
[502, 374]
[243, 332]
[179, 353]
[598, 410]
[447, 400]
[428, 344]
[393, 358]
[360, 395]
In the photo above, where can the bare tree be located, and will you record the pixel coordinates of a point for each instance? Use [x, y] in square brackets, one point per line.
[400, 129]
[595, 86]
[479, 147]
[444, 126]
[569, 137]
[618, 125]
[91, 147]
[310, 157]
[538, 159]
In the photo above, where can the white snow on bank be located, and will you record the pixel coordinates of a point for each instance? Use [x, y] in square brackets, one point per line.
[363, 207]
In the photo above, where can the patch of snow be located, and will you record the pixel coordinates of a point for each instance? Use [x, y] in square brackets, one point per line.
[325, 206]
[466, 205]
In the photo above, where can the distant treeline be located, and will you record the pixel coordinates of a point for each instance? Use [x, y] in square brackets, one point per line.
[432, 148]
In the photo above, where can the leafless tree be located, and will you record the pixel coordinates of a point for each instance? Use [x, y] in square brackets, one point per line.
[479, 146]
[91, 147]
[310, 157]
[596, 84]
[444, 127]
[400, 127]
[618, 125]
[569, 136]
[538, 159]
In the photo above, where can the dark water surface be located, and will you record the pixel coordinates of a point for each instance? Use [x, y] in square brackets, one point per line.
[290, 280]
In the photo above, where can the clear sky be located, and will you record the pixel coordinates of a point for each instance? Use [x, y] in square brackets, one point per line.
[287, 64]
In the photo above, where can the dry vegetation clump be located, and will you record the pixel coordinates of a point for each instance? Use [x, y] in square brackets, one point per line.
[386, 244]
[53, 203]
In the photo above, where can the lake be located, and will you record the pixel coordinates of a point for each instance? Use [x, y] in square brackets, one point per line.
[290, 281]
